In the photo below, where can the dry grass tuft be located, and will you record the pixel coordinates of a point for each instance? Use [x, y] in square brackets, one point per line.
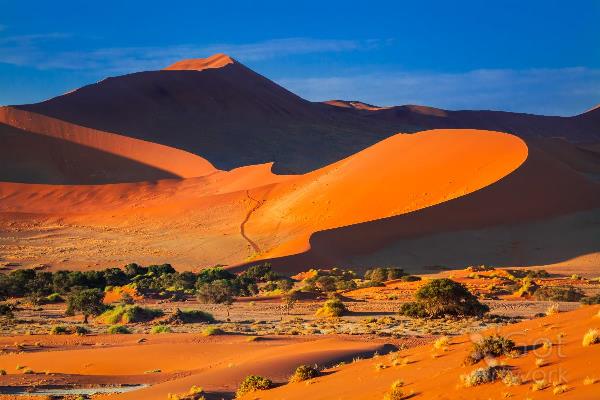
[591, 337]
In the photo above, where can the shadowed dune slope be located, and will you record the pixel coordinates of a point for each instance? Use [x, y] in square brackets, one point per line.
[39, 149]
[221, 110]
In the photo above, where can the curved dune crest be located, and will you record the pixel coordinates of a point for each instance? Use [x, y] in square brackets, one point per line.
[174, 161]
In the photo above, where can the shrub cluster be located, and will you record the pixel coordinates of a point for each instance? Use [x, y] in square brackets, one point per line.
[253, 383]
[549, 293]
[332, 308]
[490, 346]
[384, 274]
[327, 281]
[443, 297]
[304, 373]
[125, 313]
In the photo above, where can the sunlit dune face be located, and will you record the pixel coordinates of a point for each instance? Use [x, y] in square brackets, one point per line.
[199, 64]
[398, 175]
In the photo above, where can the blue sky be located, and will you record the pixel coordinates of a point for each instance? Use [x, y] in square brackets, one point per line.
[529, 56]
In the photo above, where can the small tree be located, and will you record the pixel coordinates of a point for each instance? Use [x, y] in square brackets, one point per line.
[87, 302]
[217, 292]
[289, 300]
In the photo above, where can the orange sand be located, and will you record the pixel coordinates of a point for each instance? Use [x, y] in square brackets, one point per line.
[198, 64]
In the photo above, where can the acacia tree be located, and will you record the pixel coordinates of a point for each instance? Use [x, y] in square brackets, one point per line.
[220, 291]
[87, 302]
[289, 300]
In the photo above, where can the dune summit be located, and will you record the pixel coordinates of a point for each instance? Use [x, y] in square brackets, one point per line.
[199, 64]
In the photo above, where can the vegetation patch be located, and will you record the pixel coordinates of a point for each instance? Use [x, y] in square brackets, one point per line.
[443, 297]
[190, 317]
[253, 383]
[125, 314]
[303, 373]
[332, 308]
[118, 330]
[490, 346]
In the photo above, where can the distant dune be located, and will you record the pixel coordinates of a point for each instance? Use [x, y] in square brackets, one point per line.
[207, 162]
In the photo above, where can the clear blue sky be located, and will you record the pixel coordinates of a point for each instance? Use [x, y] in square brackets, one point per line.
[530, 56]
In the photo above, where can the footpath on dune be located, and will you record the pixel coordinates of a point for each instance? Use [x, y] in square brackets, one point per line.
[249, 214]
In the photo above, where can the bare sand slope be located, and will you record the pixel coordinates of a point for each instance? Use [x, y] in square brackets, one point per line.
[429, 377]
[217, 364]
[249, 213]
[70, 149]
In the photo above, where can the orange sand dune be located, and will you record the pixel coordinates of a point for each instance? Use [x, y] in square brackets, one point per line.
[251, 214]
[429, 377]
[176, 162]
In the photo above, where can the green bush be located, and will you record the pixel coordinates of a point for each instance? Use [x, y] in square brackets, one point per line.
[303, 373]
[481, 376]
[384, 274]
[332, 308]
[54, 298]
[212, 331]
[125, 314]
[160, 329]
[86, 301]
[490, 346]
[591, 300]
[253, 383]
[81, 330]
[59, 330]
[190, 316]
[118, 330]
[443, 297]
[549, 293]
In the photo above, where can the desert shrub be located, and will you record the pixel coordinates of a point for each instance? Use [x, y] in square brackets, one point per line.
[395, 392]
[190, 317]
[59, 330]
[591, 337]
[216, 292]
[161, 269]
[6, 310]
[410, 278]
[490, 346]
[384, 274]
[156, 329]
[528, 288]
[81, 330]
[481, 376]
[2, 372]
[303, 373]
[280, 285]
[289, 300]
[87, 302]
[442, 297]
[528, 273]
[54, 298]
[260, 273]
[558, 294]
[332, 308]
[552, 309]
[212, 331]
[591, 300]
[441, 343]
[253, 383]
[368, 284]
[118, 330]
[328, 281]
[129, 313]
